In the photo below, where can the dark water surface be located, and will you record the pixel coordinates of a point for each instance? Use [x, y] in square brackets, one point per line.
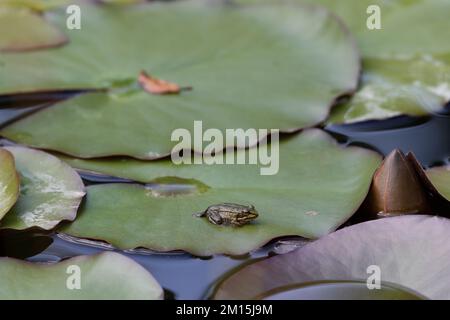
[187, 277]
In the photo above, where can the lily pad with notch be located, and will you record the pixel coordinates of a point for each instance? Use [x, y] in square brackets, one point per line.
[295, 201]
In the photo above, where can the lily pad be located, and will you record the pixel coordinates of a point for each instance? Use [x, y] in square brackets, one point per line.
[340, 290]
[50, 191]
[122, 1]
[397, 188]
[105, 276]
[271, 66]
[36, 5]
[9, 182]
[405, 70]
[295, 201]
[392, 244]
[440, 178]
[31, 31]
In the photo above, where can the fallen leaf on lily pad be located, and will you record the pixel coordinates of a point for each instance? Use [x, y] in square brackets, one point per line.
[9, 182]
[27, 30]
[271, 66]
[157, 86]
[440, 178]
[130, 216]
[412, 251]
[50, 191]
[108, 276]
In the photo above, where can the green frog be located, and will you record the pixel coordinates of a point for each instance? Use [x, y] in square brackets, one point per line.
[229, 214]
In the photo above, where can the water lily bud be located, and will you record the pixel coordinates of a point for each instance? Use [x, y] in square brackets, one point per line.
[397, 188]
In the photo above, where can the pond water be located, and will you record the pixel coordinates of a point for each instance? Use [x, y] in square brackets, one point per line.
[186, 277]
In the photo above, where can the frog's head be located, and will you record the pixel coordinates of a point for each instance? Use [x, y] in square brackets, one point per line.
[247, 215]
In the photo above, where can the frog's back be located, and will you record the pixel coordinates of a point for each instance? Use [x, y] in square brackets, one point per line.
[233, 207]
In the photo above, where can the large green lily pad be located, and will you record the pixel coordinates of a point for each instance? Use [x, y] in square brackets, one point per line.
[440, 178]
[27, 30]
[9, 182]
[105, 276]
[50, 191]
[296, 201]
[411, 251]
[405, 70]
[271, 66]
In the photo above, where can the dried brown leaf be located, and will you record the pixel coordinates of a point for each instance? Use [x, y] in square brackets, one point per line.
[158, 86]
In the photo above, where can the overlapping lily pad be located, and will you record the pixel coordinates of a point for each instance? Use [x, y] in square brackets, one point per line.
[411, 251]
[271, 66]
[50, 191]
[22, 244]
[414, 86]
[9, 182]
[36, 5]
[105, 276]
[296, 201]
[440, 178]
[26, 30]
[405, 70]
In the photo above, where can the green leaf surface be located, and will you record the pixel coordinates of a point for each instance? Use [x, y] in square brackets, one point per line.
[272, 66]
[295, 201]
[405, 70]
[340, 290]
[9, 182]
[411, 251]
[391, 87]
[36, 5]
[122, 1]
[25, 30]
[106, 276]
[440, 178]
[50, 191]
